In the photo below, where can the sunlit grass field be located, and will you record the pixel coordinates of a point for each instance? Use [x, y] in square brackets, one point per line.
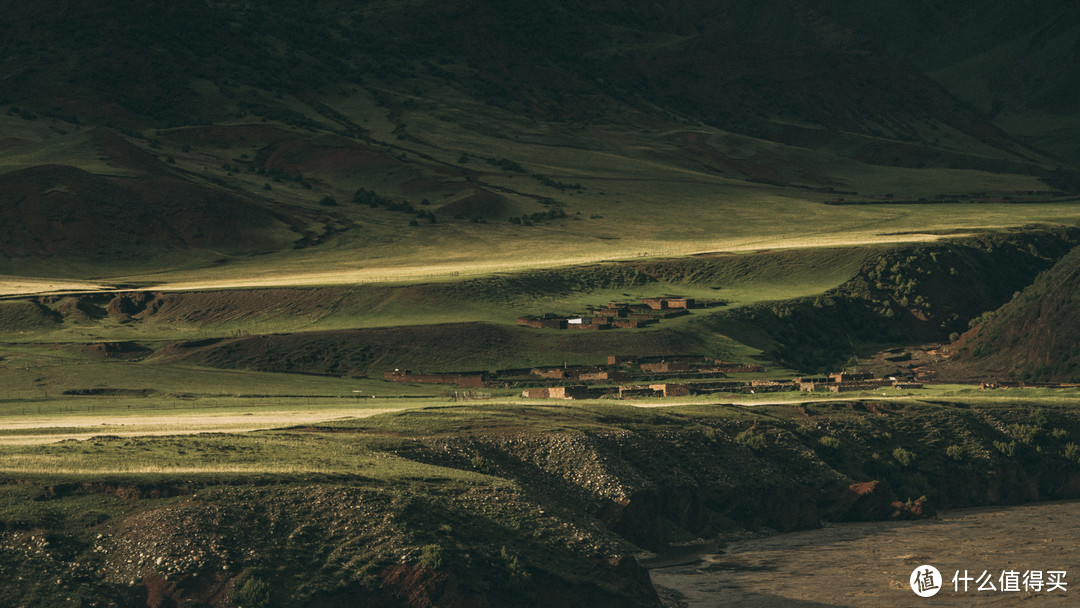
[321, 438]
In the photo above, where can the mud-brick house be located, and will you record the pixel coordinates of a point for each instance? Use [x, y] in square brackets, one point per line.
[545, 322]
[562, 392]
[632, 323]
[551, 373]
[462, 379]
[729, 367]
[621, 360]
[563, 372]
[866, 385]
[656, 303]
[603, 376]
[907, 385]
[590, 323]
[638, 391]
[850, 377]
[611, 312]
[680, 302]
[666, 366]
[670, 390]
[772, 386]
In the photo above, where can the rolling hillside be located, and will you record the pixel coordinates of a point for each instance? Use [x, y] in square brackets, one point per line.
[354, 129]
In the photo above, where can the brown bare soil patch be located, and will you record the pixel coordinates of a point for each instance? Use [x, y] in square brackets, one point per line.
[482, 203]
[121, 153]
[69, 213]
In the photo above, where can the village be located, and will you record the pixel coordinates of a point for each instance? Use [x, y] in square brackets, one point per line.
[657, 376]
[620, 315]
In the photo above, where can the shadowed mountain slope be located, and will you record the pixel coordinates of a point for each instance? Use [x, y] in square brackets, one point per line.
[1036, 336]
[759, 67]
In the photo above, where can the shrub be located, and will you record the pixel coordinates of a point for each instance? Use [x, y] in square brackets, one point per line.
[1024, 433]
[831, 443]
[254, 593]
[956, 452]
[481, 464]
[903, 457]
[1071, 451]
[431, 556]
[514, 570]
[1008, 449]
[753, 440]
[1059, 433]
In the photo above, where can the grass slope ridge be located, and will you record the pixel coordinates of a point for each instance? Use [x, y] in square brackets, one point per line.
[1036, 335]
[449, 347]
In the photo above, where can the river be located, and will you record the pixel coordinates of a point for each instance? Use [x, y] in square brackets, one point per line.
[870, 564]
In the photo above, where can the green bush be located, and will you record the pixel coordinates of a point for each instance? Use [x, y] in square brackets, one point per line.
[1059, 434]
[254, 593]
[431, 556]
[831, 443]
[1071, 451]
[903, 457]
[514, 570]
[1024, 433]
[753, 440]
[956, 452]
[481, 464]
[1008, 449]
